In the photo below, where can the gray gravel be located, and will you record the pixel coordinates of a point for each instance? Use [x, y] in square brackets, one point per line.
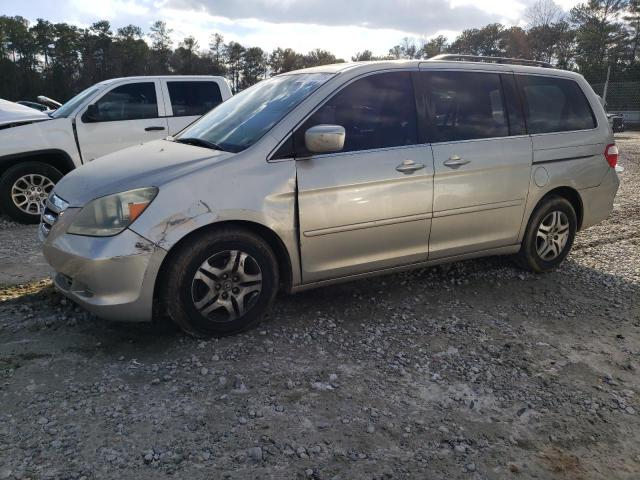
[483, 372]
[20, 257]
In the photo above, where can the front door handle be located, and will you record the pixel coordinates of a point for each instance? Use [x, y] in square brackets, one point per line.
[455, 161]
[153, 129]
[409, 166]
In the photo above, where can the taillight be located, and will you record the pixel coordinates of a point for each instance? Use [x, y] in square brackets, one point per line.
[611, 154]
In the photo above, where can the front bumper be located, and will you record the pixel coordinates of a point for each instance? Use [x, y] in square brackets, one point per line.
[113, 277]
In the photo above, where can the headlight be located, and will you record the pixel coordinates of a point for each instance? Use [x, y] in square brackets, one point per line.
[110, 215]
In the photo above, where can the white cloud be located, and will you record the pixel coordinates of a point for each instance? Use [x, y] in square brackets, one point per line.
[108, 9]
[343, 41]
[421, 17]
[567, 5]
[509, 10]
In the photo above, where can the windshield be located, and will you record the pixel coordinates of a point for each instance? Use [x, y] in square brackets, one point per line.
[68, 108]
[242, 120]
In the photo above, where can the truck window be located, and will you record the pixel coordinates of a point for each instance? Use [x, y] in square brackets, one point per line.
[554, 104]
[129, 102]
[193, 98]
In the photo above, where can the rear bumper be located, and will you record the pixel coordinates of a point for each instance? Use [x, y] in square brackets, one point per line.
[113, 277]
[597, 202]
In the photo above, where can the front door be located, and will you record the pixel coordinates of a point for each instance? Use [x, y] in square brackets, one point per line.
[126, 115]
[367, 207]
[482, 161]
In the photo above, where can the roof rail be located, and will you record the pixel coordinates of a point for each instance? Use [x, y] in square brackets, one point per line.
[479, 58]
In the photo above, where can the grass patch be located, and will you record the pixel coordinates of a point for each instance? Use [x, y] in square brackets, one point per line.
[34, 291]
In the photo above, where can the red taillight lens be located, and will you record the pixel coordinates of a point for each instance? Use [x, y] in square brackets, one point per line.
[611, 154]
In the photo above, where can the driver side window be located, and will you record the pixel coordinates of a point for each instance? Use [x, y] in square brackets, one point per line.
[377, 111]
[128, 102]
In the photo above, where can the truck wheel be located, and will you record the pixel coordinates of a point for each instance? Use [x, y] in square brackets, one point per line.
[549, 235]
[24, 189]
[220, 283]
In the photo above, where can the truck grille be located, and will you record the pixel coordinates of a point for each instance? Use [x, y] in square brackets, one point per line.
[54, 207]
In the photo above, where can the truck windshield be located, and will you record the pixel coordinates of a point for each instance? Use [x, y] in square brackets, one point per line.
[69, 107]
[242, 120]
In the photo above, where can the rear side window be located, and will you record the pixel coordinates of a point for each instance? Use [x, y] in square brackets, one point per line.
[554, 104]
[377, 111]
[465, 106]
[193, 98]
[129, 102]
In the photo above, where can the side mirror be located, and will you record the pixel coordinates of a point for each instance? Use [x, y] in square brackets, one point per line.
[91, 114]
[324, 138]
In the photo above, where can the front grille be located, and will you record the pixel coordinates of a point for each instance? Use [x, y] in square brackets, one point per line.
[54, 207]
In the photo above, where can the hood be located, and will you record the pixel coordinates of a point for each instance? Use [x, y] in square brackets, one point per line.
[148, 165]
[50, 102]
[11, 112]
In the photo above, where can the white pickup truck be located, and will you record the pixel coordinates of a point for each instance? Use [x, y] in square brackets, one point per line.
[37, 149]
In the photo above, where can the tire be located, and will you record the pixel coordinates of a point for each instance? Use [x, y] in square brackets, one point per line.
[549, 235]
[22, 177]
[200, 299]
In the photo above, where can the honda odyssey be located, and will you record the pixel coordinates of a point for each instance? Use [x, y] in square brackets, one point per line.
[330, 174]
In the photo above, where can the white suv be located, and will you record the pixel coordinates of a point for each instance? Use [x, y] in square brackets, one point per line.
[37, 150]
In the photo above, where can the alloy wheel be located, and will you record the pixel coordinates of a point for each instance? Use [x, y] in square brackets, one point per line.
[30, 192]
[226, 285]
[552, 235]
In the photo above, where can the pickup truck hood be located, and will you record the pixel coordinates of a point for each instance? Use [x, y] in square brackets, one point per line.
[147, 165]
[11, 112]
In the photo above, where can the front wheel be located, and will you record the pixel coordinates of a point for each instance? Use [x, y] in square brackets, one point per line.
[549, 235]
[220, 283]
[24, 189]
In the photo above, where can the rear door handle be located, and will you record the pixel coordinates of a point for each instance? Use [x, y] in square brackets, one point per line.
[409, 166]
[153, 129]
[455, 161]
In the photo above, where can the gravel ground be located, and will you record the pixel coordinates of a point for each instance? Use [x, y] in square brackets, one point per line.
[20, 257]
[483, 372]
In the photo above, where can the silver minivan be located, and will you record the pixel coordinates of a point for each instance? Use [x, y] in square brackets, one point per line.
[330, 174]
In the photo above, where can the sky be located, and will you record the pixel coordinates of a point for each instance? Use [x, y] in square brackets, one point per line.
[343, 27]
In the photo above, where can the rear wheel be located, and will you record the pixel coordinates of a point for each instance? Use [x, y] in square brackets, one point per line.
[24, 189]
[220, 283]
[549, 236]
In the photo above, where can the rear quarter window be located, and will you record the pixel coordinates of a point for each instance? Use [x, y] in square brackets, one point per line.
[554, 105]
[193, 98]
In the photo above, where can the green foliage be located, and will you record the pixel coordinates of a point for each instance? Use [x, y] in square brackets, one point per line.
[435, 46]
[480, 41]
[600, 36]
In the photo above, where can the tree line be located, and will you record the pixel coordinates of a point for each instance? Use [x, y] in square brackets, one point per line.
[588, 39]
[59, 59]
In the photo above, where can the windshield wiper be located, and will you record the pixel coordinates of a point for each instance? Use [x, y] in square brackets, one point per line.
[199, 142]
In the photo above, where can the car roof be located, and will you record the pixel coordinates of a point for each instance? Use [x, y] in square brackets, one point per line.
[162, 77]
[372, 66]
[369, 65]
